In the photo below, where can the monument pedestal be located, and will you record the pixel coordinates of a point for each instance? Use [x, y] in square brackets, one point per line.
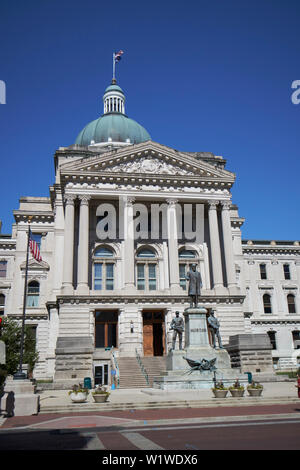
[197, 347]
[19, 398]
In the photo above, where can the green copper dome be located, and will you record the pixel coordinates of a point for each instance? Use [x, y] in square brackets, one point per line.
[113, 126]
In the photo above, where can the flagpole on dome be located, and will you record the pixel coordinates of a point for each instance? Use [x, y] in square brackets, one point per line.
[116, 58]
[21, 375]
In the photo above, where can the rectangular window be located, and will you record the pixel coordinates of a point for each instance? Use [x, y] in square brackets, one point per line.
[3, 267]
[109, 276]
[272, 336]
[141, 277]
[98, 276]
[182, 276]
[296, 339]
[286, 270]
[263, 271]
[152, 276]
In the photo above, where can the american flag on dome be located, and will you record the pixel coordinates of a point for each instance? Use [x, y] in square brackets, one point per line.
[34, 249]
[118, 56]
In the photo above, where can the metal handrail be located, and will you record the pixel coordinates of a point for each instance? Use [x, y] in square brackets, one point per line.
[144, 372]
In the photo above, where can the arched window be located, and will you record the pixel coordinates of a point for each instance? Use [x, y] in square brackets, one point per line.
[33, 293]
[291, 303]
[267, 303]
[146, 269]
[186, 259]
[104, 267]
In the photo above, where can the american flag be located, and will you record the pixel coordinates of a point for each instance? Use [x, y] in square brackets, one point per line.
[34, 249]
[118, 55]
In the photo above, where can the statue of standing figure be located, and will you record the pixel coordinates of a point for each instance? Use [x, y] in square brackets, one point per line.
[214, 327]
[177, 325]
[195, 285]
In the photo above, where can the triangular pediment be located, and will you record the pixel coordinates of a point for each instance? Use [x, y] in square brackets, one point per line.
[145, 159]
[35, 265]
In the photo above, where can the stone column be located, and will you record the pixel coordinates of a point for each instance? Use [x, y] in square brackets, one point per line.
[215, 246]
[83, 247]
[67, 285]
[173, 245]
[129, 259]
[228, 246]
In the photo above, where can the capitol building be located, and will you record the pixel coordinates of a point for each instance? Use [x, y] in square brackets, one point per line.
[125, 218]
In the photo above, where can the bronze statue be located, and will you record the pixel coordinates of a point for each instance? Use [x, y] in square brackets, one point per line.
[177, 324]
[214, 326]
[195, 285]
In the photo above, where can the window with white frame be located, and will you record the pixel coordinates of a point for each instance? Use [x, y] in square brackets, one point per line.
[186, 259]
[3, 268]
[33, 294]
[146, 269]
[267, 303]
[104, 269]
[286, 271]
[291, 303]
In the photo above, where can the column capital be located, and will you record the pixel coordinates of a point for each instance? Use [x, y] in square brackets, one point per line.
[225, 205]
[212, 204]
[70, 198]
[84, 199]
[129, 200]
[172, 201]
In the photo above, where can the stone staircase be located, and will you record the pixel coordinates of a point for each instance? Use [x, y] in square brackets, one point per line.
[131, 375]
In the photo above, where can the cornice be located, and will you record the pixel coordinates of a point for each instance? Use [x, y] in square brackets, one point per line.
[146, 300]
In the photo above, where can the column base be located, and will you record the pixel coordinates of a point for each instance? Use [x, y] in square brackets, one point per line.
[67, 289]
[82, 289]
[220, 290]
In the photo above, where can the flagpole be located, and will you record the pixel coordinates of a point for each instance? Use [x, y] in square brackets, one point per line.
[114, 66]
[21, 375]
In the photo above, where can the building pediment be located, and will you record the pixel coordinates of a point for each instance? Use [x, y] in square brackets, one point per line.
[35, 265]
[148, 159]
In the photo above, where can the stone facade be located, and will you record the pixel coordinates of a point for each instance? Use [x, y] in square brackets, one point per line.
[111, 276]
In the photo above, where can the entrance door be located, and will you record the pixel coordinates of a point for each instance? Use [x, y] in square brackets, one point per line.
[154, 333]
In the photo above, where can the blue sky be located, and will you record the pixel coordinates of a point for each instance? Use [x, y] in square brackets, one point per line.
[198, 75]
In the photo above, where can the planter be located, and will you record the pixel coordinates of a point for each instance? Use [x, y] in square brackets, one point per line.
[237, 393]
[220, 393]
[255, 392]
[100, 397]
[79, 397]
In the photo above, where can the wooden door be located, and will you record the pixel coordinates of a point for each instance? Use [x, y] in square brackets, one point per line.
[148, 338]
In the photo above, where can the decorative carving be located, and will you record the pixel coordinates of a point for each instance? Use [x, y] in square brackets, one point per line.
[226, 205]
[213, 204]
[84, 199]
[70, 198]
[149, 165]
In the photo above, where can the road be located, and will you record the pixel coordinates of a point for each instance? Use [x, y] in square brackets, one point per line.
[114, 433]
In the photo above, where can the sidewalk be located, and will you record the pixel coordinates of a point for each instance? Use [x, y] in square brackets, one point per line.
[59, 400]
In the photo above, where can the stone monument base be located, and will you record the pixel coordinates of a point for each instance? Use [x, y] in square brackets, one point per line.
[179, 375]
[19, 398]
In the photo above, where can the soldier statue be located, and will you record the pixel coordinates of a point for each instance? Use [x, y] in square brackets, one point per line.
[177, 325]
[214, 327]
[195, 285]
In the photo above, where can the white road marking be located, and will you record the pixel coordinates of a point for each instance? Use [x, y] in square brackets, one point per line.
[140, 441]
[93, 441]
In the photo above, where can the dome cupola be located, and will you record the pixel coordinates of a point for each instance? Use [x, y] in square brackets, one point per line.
[113, 129]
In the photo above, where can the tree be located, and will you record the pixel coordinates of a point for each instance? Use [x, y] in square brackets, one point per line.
[11, 335]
